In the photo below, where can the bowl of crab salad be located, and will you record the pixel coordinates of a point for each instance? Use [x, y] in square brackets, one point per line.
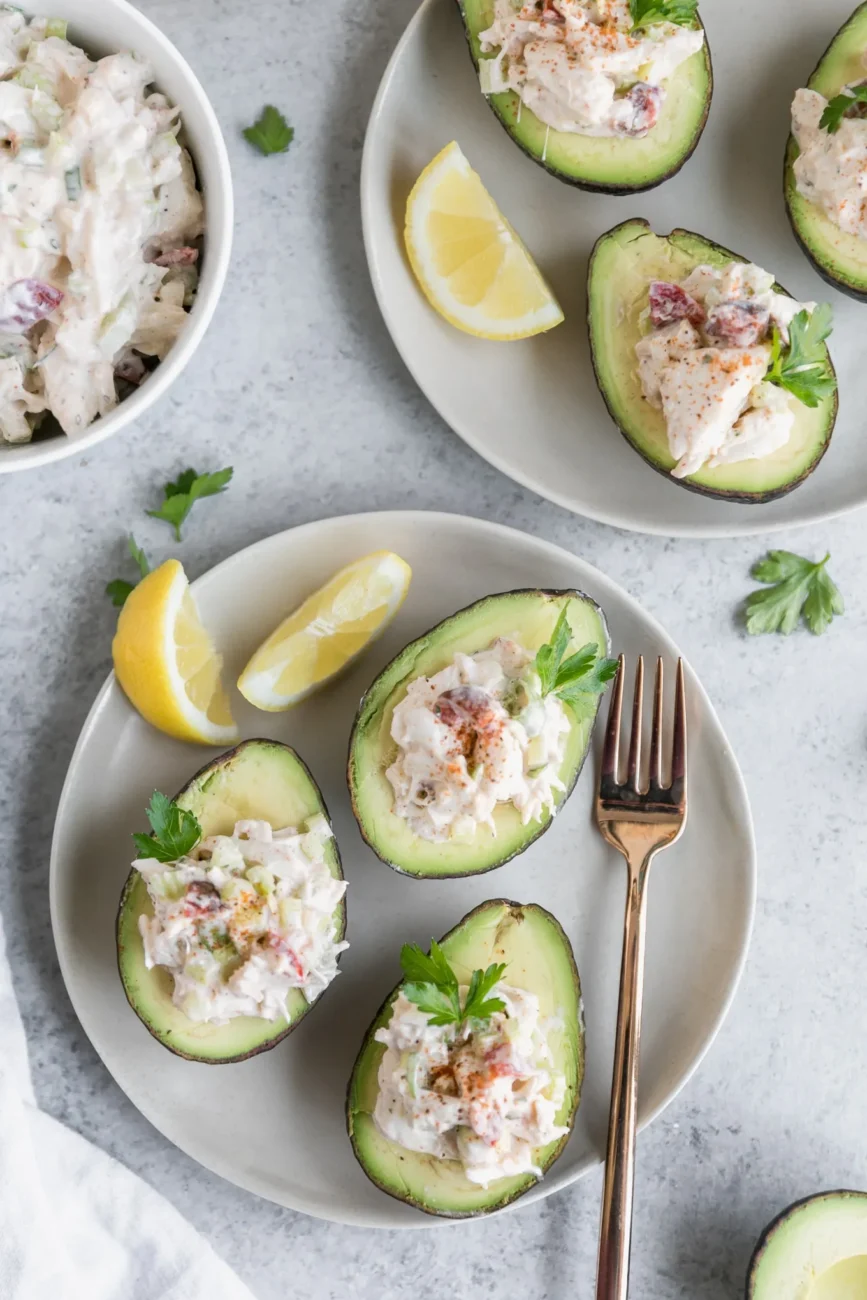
[115, 223]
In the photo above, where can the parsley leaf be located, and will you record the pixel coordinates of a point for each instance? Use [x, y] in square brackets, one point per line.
[646, 12]
[187, 489]
[119, 588]
[271, 133]
[837, 108]
[176, 832]
[433, 987]
[804, 368]
[795, 586]
[576, 679]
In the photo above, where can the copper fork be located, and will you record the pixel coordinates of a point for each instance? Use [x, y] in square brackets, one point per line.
[637, 821]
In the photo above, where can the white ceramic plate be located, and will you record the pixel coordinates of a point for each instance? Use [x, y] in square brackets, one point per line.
[532, 408]
[295, 1151]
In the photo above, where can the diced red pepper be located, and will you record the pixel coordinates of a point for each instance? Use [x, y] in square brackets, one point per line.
[177, 257]
[25, 302]
[738, 324]
[670, 303]
[645, 101]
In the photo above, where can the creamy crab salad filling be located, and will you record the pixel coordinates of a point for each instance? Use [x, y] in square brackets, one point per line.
[245, 919]
[704, 360]
[100, 222]
[474, 735]
[486, 1096]
[831, 167]
[579, 65]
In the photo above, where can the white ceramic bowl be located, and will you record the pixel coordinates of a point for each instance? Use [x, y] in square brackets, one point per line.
[104, 27]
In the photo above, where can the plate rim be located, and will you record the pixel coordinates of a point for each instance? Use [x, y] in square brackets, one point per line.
[549, 492]
[547, 1187]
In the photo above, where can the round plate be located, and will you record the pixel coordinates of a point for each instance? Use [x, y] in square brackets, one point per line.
[295, 1151]
[532, 408]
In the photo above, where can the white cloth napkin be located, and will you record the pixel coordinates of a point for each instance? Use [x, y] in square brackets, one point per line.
[74, 1223]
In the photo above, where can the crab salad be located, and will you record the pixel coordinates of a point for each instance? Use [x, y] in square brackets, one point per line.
[831, 167]
[484, 1094]
[245, 919]
[477, 734]
[704, 360]
[100, 228]
[580, 66]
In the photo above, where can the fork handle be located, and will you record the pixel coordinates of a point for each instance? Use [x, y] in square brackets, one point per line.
[615, 1233]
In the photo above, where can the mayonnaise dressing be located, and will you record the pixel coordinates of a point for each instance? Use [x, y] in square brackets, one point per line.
[488, 1098]
[831, 168]
[578, 65]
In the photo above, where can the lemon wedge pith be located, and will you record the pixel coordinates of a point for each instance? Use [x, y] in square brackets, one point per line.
[166, 663]
[327, 632]
[471, 265]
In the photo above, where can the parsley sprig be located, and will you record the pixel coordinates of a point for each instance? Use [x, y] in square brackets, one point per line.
[187, 489]
[803, 368]
[118, 589]
[433, 986]
[837, 108]
[270, 133]
[579, 678]
[176, 832]
[796, 587]
[646, 12]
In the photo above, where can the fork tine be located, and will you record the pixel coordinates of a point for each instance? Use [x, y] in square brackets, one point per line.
[678, 754]
[634, 777]
[611, 750]
[656, 732]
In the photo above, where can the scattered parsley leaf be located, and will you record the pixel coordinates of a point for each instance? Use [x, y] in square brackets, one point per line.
[176, 832]
[433, 987]
[804, 368]
[119, 588]
[442, 1005]
[271, 133]
[646, 12]
[576, 679]
[837, 108]
[550, 656]
[478, 1005]
[187, 489]
[417, 966]
[795, 586]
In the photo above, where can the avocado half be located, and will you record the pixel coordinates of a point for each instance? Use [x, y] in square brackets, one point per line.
[540, 959]
[840, 258]
[605, 164]
[814, 1250]
[622, 265]
[260, 779]
[527, 616]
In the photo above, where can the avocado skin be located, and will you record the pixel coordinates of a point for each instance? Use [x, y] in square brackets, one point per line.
[516, 911]
[840, 1194]
[350, 770]
[738, 498]
[200, 779]
[600, 187]
[840, 282]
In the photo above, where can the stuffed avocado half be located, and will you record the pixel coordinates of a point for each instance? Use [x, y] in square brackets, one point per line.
[646, 132]
[817, 1248]
[460, 754]
[235, 916]
[541, 1020]
[825, 176]
[644, 291]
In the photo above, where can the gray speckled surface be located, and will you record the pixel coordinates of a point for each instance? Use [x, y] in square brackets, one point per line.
[298, 385]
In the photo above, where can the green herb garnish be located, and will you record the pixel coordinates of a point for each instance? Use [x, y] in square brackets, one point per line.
[803, 368]
[576, 679]
[646, 12]
[187, 489]
[176, 832]
[119, 588]
[796, 586]
[271, 133]
[837, 108]
[433, 987]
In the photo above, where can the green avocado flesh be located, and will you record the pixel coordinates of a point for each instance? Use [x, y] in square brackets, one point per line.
[527, 617]
[622, 265]
[614, 165]
[839, 257]
[815, 1250]
[262, 780]
[540, 959]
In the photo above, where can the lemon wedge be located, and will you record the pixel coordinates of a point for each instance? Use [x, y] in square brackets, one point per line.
[166, 663]
[327, 632]
[470, 263]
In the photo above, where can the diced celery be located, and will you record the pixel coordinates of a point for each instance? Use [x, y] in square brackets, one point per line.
[56, 27]
[30, 155]
[261, 879]
[492, 79]
[226, 854]
[319, 825]
[536, 754]
[46, 111]
[73, 183]
[197, 970]
[411, 1062]
[287, 910]
[117, 326]
[27, 234]
[173, 884]
[30, 79]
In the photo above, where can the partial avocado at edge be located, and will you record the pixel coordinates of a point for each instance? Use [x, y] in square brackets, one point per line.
[816, 1248]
